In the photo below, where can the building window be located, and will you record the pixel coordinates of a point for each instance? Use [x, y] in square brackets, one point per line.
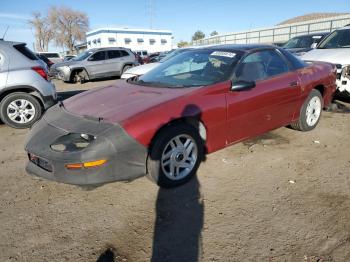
[152, 41]
[164, 41]
[89, 42]
[127, 40]
[111, 40]
[94, 41]
[99, 40]
[140, 40]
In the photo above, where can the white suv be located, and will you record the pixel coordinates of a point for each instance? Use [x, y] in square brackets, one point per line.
[335, 48]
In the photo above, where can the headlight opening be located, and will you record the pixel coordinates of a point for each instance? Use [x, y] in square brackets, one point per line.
[72, 142]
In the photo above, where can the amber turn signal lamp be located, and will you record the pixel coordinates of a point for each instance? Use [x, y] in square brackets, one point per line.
[96, 163]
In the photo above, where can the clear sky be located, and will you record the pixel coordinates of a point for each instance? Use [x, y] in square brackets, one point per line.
[181, 16]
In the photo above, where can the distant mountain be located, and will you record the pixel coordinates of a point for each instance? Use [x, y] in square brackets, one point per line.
[311, 16]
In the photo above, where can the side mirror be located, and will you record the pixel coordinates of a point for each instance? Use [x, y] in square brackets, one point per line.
[314, 45]
[242, 85]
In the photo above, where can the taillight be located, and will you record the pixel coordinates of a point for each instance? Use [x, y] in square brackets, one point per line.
[41, 72]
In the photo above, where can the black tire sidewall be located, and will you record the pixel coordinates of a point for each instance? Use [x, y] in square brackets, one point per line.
[154, 168]
[302, 122]
[14, 96]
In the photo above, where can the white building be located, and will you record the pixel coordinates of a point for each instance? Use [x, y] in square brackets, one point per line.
[135, 39]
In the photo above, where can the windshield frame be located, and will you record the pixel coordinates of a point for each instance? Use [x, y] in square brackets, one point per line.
[78, 57]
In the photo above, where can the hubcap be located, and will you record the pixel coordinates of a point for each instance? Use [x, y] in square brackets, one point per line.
[21, 111]
[179, 157]
[313, 111]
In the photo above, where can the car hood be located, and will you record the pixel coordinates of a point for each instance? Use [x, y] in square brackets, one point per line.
[142, 69]
[65, 63]
[335, 56]
[119, 102]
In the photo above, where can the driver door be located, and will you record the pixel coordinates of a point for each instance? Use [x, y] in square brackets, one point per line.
[96, 64]
[270, 104]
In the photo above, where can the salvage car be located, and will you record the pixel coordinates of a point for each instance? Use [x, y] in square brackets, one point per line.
[301, 44]
[162, 123]
[95, 63]
[335, 48]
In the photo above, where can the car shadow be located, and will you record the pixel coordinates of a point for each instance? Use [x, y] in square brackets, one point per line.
[179, 217]
[339, 106]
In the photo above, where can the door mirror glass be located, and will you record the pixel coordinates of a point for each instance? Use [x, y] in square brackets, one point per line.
[314, 45]
[242, 85]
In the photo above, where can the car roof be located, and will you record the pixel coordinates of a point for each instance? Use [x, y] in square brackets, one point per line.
[313, 34]
[240, 47]
[10, 43]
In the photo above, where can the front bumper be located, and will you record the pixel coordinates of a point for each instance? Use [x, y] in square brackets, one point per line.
[126, 158]
[343, 80]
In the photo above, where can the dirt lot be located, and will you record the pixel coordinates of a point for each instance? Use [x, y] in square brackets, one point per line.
[282, 197]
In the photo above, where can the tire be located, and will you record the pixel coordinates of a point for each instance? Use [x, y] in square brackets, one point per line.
[126, 68]
[20, 110]
[169, 164]
[310, 112]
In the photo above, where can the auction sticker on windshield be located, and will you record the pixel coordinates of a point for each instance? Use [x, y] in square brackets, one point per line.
[225, 54]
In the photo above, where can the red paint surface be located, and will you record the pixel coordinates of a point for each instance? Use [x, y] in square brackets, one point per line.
[228, 116]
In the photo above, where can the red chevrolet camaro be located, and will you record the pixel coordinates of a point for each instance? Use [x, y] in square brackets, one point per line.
[162, 123]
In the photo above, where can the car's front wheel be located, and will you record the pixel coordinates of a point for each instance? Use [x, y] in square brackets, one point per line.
[20, 110]
[175, 155]
[310, 112]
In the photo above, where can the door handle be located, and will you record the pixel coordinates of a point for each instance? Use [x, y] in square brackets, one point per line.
[293, 83]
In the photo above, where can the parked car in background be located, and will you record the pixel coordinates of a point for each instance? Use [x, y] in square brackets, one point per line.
[335, 48]
[54, 57]
[143, 69]
[279, 44]
[301, 44]
[95, 63]
[163, 123]
[143, 54]
[47, 61]
[158, 57]
[68, 57]
[25, 90]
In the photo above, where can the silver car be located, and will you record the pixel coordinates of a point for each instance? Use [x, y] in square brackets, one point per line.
[25, 89]
[95, 63]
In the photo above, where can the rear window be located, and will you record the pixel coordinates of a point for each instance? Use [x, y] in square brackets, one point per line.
[51, 55]
[25, 51]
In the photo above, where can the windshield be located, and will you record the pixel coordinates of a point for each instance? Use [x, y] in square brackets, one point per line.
[172, 53]
[300, 42]
[82, 56]
[337, 39]
[192, 68]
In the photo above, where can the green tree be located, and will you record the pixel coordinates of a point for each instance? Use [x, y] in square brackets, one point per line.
[182, 44]
[198, 35]
[214, 33]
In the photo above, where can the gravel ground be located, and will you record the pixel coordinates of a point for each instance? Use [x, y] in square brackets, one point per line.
[284, 196]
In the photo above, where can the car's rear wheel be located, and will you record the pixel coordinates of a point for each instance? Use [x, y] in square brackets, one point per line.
[20, 110]
[175, 155]
[310, 112]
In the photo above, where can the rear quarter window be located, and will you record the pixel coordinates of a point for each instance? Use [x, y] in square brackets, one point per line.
[25, 51]
[295, 62]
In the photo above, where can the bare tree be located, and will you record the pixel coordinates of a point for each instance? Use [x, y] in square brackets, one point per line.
[69, 26]
[43, 31]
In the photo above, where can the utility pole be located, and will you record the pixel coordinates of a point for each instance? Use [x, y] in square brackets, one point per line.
[150, 12]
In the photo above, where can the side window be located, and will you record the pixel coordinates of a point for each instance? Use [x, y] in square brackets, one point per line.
[261, 65]
[98, 56]
[113, 54]
[124, 53]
